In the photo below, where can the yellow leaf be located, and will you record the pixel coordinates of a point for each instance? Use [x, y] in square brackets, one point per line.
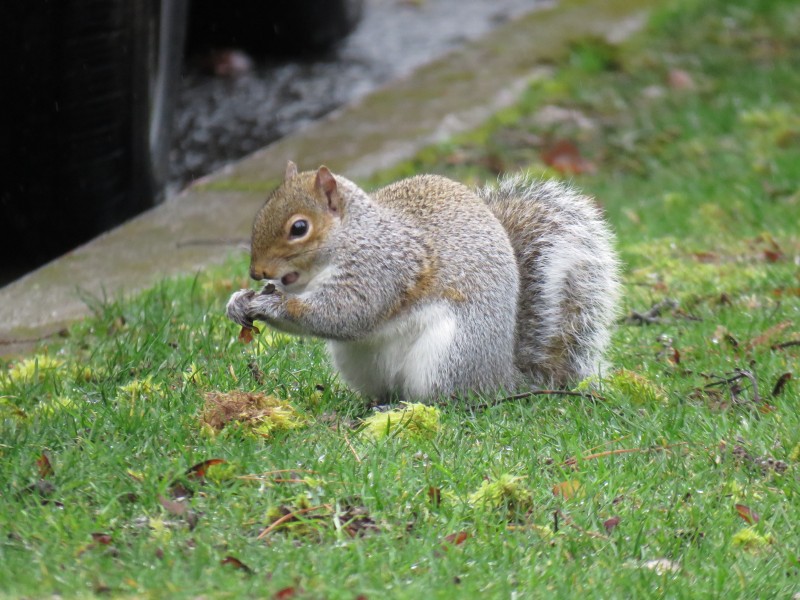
[568, 489]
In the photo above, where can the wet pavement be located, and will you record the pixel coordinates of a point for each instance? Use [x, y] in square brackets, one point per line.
[220, 119]
[210, 221]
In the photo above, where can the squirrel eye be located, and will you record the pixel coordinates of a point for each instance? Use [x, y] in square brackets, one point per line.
[299, 228]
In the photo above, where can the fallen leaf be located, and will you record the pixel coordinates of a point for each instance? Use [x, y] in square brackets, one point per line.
[781, 383]
[676, 357]
[747, 513]
[611, 524]
[246, 334]
[707, 257]
[44, 466]
[102, 538]
[198, 471]
[565, 157]
[456, 539]
[434, 495]
[285, 593]
[786, 292]
[568, 489]
[234, 562]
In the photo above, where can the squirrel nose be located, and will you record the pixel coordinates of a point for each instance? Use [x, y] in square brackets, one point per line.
[259, 274]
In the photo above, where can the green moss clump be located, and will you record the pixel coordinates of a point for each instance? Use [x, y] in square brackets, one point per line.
[413, 421]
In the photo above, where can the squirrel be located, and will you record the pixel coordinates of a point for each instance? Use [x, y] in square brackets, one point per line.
[427, 288]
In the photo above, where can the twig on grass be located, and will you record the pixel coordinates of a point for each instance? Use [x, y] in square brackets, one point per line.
[653, 315]
[288, 517]
[353, 450]
[264, 476]
[733, 387]
[572, 461]
[782, 345]
[525, 395]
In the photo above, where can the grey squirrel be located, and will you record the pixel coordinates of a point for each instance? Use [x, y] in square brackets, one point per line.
[427, 288]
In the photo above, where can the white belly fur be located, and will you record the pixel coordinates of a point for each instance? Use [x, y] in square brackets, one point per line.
[402, 357]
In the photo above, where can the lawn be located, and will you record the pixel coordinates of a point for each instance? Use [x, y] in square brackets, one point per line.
[153, 453]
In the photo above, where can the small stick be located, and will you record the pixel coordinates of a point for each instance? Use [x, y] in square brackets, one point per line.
[289, 517]
[782, 345]
[749, 375]
[524, 395]
[353, 450]
[653, 315]
[572, 461]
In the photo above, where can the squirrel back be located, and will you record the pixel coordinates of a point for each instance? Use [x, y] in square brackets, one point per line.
[569, 277]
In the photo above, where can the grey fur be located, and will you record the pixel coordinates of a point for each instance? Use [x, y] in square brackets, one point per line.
[569, 277]
[419, 292]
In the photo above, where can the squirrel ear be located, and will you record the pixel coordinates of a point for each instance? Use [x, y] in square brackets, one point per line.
[326, 184]
[291, 171]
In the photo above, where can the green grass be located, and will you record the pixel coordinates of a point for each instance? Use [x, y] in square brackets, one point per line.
[701, 185]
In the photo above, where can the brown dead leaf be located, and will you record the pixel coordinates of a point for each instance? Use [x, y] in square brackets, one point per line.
[676, 357]
[780, 384]
[434, 495]
[246, 334]
[198, 471]
[286, 593]
[611, 524]
[356, 521]
[707, 257]
[456, 539]
[747, 514]
[234, 562]
[102, 538]
[44, 466]
[565, 157]
[779, 292]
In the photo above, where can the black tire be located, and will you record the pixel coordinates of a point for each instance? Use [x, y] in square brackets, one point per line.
[282, 27]
[91, 91]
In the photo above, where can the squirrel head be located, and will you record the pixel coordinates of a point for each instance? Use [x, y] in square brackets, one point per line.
[293, 225]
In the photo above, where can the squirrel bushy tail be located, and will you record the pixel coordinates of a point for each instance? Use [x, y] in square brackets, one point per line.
[569, 277]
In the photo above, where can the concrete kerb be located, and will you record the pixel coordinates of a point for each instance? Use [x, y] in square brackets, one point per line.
[205, 224]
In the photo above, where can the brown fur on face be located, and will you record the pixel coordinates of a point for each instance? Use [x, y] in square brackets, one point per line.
[274, 252]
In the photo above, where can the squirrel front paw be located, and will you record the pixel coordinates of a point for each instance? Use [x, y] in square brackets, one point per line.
[237, 308]
[264, 305]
